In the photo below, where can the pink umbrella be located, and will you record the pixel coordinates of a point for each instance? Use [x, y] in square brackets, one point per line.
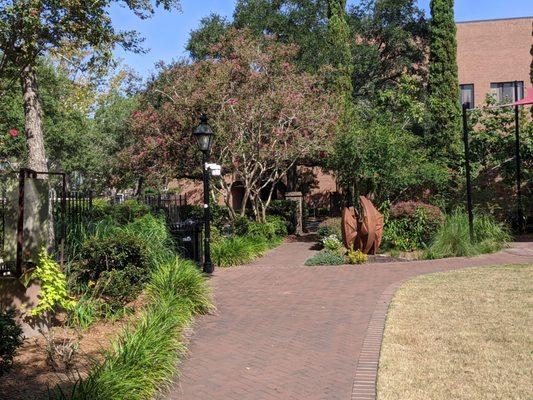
[524, 102]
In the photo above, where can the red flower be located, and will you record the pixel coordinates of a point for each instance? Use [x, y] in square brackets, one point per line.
[322, 154]
[232, 102]
[13, 133]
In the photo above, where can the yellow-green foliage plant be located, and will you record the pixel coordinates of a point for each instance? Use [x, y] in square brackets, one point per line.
[53, 295]
[356, 256]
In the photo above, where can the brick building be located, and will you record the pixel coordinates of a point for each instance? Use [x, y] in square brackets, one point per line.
[491, 55]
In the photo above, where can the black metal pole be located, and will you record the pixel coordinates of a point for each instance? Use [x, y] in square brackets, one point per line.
[519, 213]
[468, 178]
[208, 265]
[63, 219]
[20, 222]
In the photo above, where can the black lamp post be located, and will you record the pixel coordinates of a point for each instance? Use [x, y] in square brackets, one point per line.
[204, 137]
[469, 203]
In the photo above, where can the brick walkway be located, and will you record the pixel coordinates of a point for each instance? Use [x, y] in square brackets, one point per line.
[286, 331]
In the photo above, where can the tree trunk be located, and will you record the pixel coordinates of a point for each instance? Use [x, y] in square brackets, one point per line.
[33, 128]
[244, 203]
[33, 125]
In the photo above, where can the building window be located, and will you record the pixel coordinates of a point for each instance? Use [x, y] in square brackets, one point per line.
[504, 91]
[467, 95]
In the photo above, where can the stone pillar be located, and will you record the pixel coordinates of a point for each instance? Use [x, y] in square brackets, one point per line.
[14, 294]
[298, 198]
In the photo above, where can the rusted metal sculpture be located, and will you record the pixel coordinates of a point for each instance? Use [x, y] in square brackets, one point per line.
[349, 226]
[364, 233]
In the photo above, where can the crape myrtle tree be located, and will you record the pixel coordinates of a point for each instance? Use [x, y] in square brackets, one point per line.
[266, 114]
[443, 85]
[30, 29]
[388, 37]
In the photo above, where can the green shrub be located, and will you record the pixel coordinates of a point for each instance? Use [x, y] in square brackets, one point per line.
[286, 210]
[116, 263]
[280, 227]
[356, 256]
[453, 238]
[241, 226]
[10, 339]
[115, 268]
[332, 243]
[273, 227]
[120, 214]
[266, 230]
[330, 226]
[219, 214]
[411, 225]
[144, 359]
[326, 257]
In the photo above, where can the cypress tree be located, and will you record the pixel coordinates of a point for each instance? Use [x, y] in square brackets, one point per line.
[338, 41]
[443, 84]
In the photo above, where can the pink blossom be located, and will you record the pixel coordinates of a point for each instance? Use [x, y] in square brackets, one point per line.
[13, 133]
[232, 102]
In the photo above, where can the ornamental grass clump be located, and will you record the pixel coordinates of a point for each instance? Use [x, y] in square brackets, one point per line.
[453, 237]
[253, 240]
[144, 358]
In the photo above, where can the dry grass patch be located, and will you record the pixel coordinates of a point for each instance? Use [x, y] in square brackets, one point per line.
[460, 335]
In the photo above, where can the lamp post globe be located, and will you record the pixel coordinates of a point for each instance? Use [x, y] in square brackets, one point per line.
[204, 135]
[204, 138]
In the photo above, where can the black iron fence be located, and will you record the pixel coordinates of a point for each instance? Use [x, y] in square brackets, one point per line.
[73, 219]
[173, 206]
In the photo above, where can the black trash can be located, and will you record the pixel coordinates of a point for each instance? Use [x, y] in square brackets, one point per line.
[187, 236]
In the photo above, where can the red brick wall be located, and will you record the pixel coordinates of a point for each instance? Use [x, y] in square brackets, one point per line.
[494, 51]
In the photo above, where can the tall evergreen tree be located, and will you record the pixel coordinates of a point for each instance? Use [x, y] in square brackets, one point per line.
[338, 42]
[443, 84]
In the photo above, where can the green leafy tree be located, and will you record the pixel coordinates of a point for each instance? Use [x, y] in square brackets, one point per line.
[389, 43]
[110, 135]
[388, 38]
[443, 85]
[384, 162]
[492, 147]
[301, 22]
[30, 29]
[202, 39]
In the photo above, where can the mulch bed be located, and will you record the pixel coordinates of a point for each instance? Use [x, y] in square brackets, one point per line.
[31, 375]
[380, 258]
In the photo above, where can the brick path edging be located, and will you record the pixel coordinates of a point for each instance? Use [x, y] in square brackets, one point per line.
[366, 372]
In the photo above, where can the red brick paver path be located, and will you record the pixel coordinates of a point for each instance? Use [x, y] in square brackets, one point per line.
[286, 331]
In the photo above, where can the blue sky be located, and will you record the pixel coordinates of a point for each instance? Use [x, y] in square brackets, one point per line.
[166, 33]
